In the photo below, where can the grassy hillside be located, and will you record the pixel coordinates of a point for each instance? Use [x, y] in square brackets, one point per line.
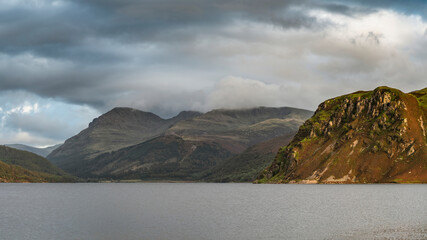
[421, 96]
[25, 166]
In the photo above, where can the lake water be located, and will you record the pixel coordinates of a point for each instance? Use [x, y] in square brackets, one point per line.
[151, 211]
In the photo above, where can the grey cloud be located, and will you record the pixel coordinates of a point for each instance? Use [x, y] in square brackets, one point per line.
[39, 125]
[164, 102]
[61, 32]
[236, 92]
[52, 31]
[81, 51]
[106, 52]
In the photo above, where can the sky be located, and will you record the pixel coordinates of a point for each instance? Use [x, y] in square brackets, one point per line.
[65, 62]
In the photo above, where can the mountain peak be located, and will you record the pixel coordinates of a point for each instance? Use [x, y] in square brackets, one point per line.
[129, 111]
[117, 115]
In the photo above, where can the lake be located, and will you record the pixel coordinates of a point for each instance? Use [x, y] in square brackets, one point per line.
[186, 211]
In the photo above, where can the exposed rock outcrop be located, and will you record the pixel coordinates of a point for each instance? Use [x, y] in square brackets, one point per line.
[375, 136]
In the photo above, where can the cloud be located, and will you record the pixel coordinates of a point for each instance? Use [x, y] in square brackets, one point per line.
[99, 51]
[236, 92]
[32, 120]
[165, 57]
[25, 138]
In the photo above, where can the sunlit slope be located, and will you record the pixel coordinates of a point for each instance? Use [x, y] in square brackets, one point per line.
[364, 137]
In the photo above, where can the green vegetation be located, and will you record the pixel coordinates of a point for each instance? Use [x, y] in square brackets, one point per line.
[421, 96]
[245, 167]
[399, 180]
[11, 173]
[232, 171]
[22, 166]
[28, 160]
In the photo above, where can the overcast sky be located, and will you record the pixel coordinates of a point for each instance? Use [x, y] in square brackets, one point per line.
[63, 63]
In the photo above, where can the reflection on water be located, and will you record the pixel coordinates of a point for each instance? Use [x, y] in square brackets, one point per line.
[186, 211]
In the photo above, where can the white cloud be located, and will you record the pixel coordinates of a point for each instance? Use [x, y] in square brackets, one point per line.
[25, 108]
[30, 119]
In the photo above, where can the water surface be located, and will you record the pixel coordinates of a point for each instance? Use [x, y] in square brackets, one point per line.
[186, 211]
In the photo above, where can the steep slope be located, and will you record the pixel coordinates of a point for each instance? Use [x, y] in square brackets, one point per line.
[118, 128]
[246, 166]
[18, 165]
[39, 151]
[364, 137]
[236, 130]
[165, 157]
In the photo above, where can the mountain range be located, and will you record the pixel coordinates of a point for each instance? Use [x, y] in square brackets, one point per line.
[125, 143]
[376, 136]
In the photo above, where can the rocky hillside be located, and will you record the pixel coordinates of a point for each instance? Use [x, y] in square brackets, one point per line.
[116, 129]
[22, 166]
[127, 143]
[377, 136]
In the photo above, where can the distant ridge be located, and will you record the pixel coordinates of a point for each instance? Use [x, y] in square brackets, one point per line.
[240, 128]
[39, 151]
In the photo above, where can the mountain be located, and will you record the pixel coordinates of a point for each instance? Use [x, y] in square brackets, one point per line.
[39, 151]
[116, 129]
[246, 166]
[165, 157]
[22, 166]
[238, 129]
[183, 147]
[375, 136]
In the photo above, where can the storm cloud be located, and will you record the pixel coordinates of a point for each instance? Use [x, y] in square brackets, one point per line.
[168, 56]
